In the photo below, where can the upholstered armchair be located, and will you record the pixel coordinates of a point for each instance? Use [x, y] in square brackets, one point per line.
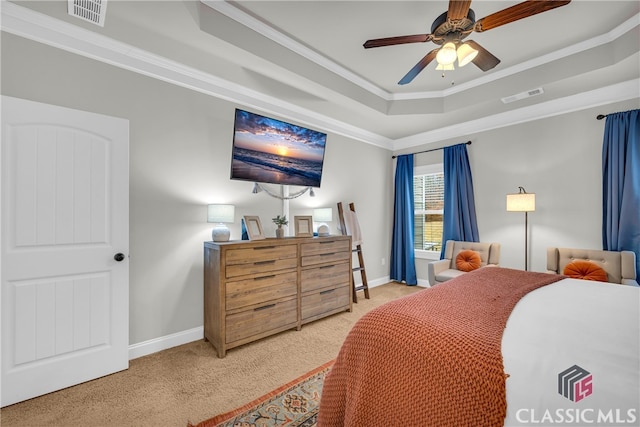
[447, 268]
[620, 267]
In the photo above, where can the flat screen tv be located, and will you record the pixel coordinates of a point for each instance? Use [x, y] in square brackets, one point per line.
[271, 151]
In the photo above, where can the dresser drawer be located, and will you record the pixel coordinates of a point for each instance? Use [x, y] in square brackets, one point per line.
[262, 319]
[260, 253]
[261, 268]
[319, 303]
[321, 252]
[259, 289]
[325, 276]
[325, 247]
[332, 257]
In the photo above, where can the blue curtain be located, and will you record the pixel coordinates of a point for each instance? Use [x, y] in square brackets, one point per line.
[460, 221]
[403, 265]
[621, 183]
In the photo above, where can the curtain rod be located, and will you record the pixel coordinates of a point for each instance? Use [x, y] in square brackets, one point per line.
[602, 116]
[434, 149]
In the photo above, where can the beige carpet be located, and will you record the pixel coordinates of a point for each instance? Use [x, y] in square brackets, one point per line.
[190, 384]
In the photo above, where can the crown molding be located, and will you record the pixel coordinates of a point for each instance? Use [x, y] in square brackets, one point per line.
[233, 12]
[228, 9]
[594, 98]
[44, 29]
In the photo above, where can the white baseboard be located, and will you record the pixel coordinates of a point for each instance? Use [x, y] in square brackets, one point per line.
[378, 282]
[179, 338]
[163, 343]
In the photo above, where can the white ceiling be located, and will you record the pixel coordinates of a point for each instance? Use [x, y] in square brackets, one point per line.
[304, 60]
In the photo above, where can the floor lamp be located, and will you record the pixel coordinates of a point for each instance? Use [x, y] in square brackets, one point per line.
[522, 202]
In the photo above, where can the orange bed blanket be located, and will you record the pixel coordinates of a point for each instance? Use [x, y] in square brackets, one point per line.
[429, 359]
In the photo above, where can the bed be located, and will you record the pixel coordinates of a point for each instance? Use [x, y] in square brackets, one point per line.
[493, 347]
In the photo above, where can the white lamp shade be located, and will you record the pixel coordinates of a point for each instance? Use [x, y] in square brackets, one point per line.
[323, 215]
[221, 213]
[466, 54]
[521, 202]
[447, 54]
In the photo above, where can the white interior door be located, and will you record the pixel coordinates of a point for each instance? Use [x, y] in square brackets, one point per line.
[64, 215]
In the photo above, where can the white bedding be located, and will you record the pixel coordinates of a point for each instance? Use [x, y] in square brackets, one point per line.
[573, 322]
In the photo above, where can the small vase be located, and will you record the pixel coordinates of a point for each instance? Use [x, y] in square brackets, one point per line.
[279, 233]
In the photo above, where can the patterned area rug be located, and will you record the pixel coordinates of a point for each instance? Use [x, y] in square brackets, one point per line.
[294, 404]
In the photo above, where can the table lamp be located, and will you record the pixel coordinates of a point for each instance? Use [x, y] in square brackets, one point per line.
[220, 214]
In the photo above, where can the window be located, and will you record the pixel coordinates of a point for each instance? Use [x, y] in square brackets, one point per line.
[428, 197]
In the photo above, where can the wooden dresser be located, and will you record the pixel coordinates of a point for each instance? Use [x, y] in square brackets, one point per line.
[253, 289]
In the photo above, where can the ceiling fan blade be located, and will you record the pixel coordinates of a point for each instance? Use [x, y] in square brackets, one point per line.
[419, 67]
[485, 59]
[516, 12]
[458, 9]
[390, 41]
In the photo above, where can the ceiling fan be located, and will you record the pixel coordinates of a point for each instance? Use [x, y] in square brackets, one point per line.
[453, 26]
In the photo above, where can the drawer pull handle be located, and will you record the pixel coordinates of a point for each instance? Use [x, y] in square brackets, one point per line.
[263, 247]
[264, 307]
[328, 254]
[330, 241]
[327, 291]
[326, 266]
[264, 262]
[264, 277]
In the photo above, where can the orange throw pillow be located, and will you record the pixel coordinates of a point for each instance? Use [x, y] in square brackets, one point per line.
[585, 270]
[468, 260]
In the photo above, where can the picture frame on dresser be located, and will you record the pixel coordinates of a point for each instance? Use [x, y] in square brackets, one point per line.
[303, 226]
[254, 227]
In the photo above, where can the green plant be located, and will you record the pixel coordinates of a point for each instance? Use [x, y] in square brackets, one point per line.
[280, 220]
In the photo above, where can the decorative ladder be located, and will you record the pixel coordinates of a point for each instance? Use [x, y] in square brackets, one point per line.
[357, 248]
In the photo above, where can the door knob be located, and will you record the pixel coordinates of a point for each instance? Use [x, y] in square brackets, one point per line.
[118, 257]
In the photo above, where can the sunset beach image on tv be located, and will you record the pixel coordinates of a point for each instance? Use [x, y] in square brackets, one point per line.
[271, 151]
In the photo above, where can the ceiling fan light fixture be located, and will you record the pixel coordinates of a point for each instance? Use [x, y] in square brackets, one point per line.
[453, 26]
[445, 67]
[466, 54]
[447, 54]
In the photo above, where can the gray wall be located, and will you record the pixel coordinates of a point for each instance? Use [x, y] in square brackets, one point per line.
[180, 153]
[558, 158]
[180, 149]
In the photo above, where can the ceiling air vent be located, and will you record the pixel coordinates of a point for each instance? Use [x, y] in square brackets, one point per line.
[88, 10]
[523, 95]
